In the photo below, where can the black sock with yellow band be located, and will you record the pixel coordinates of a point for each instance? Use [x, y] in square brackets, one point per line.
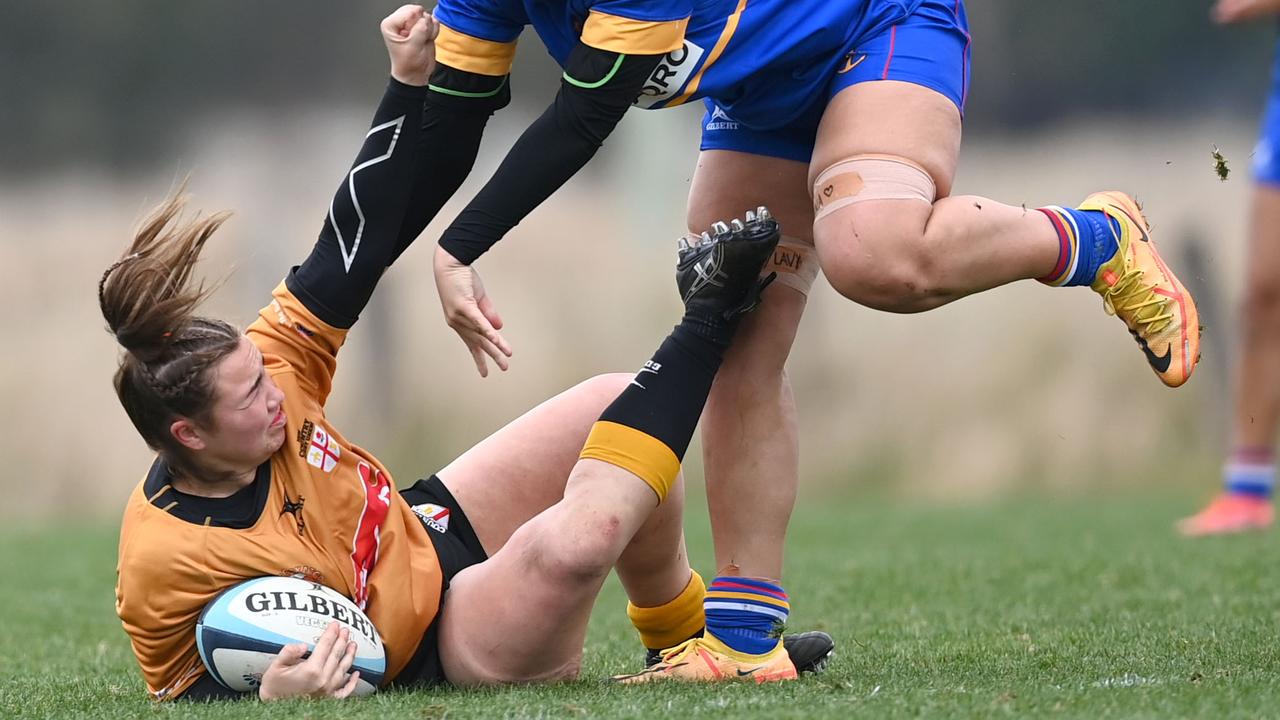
[647, 429]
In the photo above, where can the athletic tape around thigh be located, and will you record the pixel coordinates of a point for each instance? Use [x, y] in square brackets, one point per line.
[870, 177]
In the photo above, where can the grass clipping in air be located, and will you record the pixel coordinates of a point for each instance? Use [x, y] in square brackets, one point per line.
[1220, 164]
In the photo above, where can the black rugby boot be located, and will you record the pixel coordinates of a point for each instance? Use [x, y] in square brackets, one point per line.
[718, 274]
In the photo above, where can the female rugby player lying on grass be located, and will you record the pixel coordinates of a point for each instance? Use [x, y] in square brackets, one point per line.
[251, 480]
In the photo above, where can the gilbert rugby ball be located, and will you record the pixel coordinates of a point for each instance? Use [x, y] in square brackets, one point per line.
[242, 630]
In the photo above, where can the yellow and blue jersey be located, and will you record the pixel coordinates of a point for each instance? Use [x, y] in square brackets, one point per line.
[761, 61]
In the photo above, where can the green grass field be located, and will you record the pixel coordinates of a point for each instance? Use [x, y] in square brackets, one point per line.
[1035, 607]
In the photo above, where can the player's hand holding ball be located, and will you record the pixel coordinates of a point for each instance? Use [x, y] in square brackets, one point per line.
[326, 673]
[410, 35]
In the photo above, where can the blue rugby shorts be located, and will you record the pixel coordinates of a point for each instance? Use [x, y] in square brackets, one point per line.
[929, 48]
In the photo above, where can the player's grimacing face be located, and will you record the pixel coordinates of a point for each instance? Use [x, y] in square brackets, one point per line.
[248, 416]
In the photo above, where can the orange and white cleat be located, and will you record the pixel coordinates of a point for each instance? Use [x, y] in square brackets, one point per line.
[1230, 513]
[1139, 288]
[706, 659]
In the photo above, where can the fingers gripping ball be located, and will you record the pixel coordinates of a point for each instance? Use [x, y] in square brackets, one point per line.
[243, 629]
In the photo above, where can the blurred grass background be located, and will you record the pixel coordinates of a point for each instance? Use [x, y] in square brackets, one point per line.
[1023, 388]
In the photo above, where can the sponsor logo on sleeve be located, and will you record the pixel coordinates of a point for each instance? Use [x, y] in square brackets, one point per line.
[282, 317]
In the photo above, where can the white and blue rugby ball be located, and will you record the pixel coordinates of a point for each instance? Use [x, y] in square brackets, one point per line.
[242, 630]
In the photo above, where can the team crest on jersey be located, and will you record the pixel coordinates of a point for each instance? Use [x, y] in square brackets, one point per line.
[323, 451]
[433, 516]
[671, 75]
[305, 572]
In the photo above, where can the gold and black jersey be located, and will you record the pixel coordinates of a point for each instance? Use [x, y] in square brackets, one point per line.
[322, 508]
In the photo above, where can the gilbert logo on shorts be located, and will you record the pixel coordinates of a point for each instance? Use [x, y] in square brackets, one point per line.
[720, 120]
[324, 451]
[433, 516]
[671, 75]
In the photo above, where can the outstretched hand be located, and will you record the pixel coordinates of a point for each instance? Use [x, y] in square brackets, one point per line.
[410, 36]
[1234, 11]
[470, 312]
[323, 674]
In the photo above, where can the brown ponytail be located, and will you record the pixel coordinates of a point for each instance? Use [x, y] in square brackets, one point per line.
[148, 300]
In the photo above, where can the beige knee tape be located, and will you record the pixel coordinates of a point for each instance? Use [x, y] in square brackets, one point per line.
[870, 177]
[796, 264]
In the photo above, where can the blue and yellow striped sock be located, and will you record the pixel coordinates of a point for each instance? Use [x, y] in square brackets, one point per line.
[746, 614]
[1251, 472]
[1086, 240]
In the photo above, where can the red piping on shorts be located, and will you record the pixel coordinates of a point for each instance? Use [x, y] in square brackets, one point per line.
[893, 38]
[964, 60]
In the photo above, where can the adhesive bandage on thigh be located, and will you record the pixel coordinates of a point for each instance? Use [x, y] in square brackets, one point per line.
[870, 177]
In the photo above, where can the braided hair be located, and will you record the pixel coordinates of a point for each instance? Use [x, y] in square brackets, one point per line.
[148, 300]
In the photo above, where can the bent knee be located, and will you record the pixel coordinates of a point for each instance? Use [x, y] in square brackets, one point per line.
[585, 555]
[885, 268]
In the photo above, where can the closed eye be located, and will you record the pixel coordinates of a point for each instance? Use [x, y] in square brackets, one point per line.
[257, 384]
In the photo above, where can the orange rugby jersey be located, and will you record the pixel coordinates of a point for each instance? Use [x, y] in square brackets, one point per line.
[331, 514]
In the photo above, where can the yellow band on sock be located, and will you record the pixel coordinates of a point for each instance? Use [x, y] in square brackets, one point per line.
[639, 453]
[673, 622]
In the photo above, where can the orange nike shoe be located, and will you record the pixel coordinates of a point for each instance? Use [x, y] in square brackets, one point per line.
[1230, 513]
[1139, 288]
[706, 659]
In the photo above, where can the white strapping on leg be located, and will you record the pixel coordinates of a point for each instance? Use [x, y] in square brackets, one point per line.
[870, 177]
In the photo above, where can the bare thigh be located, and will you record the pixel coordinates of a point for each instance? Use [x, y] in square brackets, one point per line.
[521, 470]
[891, 118]
[727, 183]
[1263, 270]
[521, 615]
[904, 255]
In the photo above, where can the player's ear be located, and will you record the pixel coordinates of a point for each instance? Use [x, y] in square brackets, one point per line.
[186, 432]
